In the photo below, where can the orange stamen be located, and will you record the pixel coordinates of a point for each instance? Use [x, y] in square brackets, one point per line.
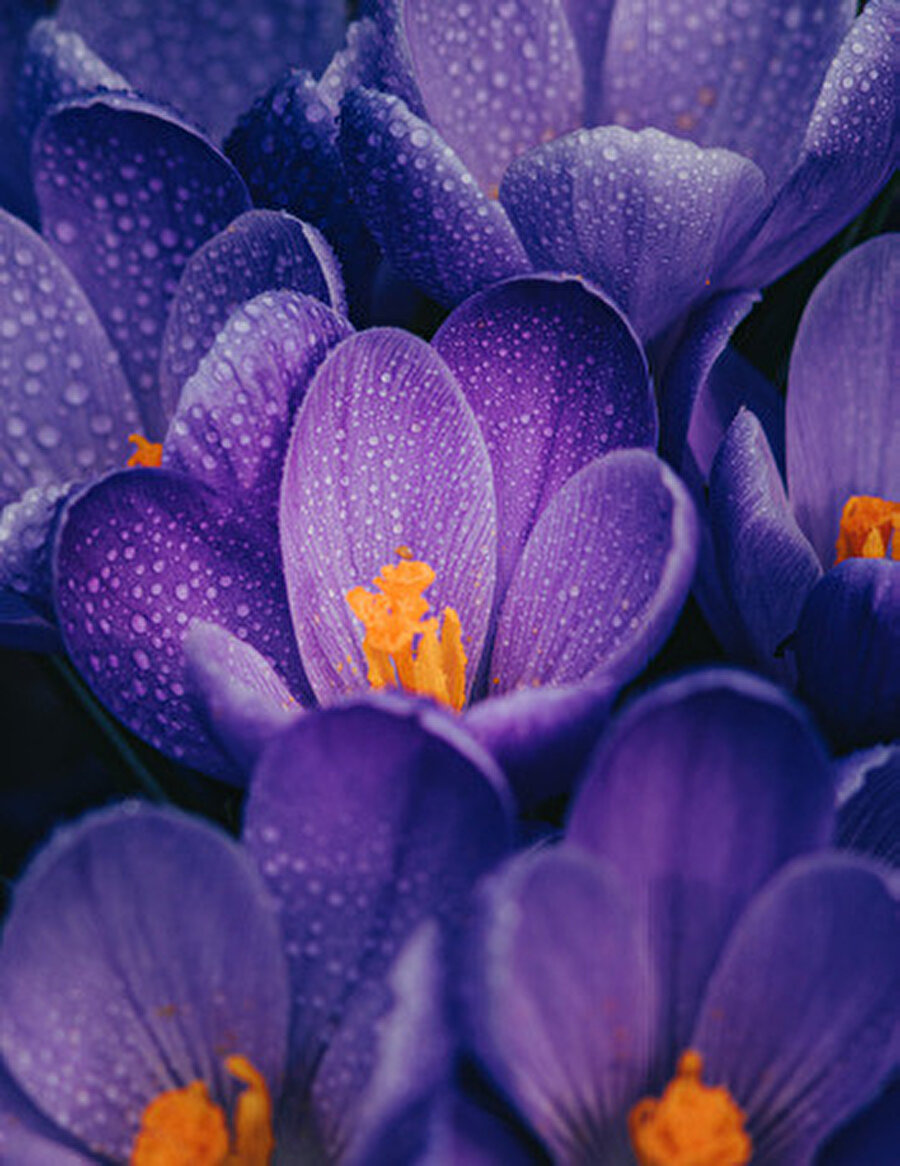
[147, 453]
[869, 529]
[401, 647]
[691, 1124]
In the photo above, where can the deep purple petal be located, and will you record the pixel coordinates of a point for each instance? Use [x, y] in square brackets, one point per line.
[495, 80]
[848, 153]
[15, 185]
[365, 819]
[872, 1135]
[243, 699]
[138, 557]
[357, 63]
[24, 629]
[847, 646]
[27, 1138]
[556, 378]
[206, 58]
[745, 78]
[767, 564]
[869, 803]
[141, 949]
[559, 994]
[234, 416]
[602, 578]
[696, 795]
[843, 424]
[127, 192]
[688, 370]
[589, 22]
[541, 738]
[385, 453]
[421, 204]
[65, 406]
[649, 218]
[260, 251]
[801, 1015]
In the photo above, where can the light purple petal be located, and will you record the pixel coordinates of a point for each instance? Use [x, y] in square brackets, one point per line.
[495, 80]
[26, 533]
[260, 251]
[141, 949]
[602, 578]
[421, 204]
[555, 378]
[234, 416]
[698, 793]
[127, 192]
[357, 63]
[767, 564]
[138, 557]
[843, 424]
[649, 218]
[869, 803]
[65, 406]
[208, 59]
[742, 77]
[801, 1016]
[243, 699]
[849, 152]
[385, 453]
[27, 1137]
[365, 820]
[847, 646]
[559, 999]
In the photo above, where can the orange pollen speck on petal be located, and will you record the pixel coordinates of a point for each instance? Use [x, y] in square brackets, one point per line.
[870, 529]
[402, 648]
[692, 1124]
[184, 1127]
[147, 453]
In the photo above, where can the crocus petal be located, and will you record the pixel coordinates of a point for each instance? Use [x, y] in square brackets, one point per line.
[871, 1136]
[26, 533]
[541, 738]
[559, 999]
[846, 647]
[556, 378]
[15, 185]
[365, 820]
[766, 563]
[141, 949]
[126, 193]
[357, 63]
[260, 251]
[589, 22]
[869, 803]
[58, 66]
[24, 629]
[648, 217]
[243, 699]
[602, 578]
[235, 414]
[65, 406]
[743, 78]
[494, 80]
[139, 556]
[843, 425]
[27, 1137]
[208, 59]
[421, 204]
[801, 1015]
[698, 793]
[848, 153]
[385, 453]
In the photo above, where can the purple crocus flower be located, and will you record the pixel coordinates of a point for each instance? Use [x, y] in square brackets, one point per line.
[721, 147]
[804, 568]
[151, 966]
[691, 906]
[501, 457]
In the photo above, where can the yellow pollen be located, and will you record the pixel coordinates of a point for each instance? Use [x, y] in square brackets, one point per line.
[401, 647]
[184, 1127]
[869, 527]
[692, 1124]
[147, 453]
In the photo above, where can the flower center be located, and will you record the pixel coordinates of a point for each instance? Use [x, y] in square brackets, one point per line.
[868, 529]
[183, 1127]
[401, 647]
[147, 453]
[691, 1124]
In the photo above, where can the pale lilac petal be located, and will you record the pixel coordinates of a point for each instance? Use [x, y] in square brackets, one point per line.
[385, 453]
